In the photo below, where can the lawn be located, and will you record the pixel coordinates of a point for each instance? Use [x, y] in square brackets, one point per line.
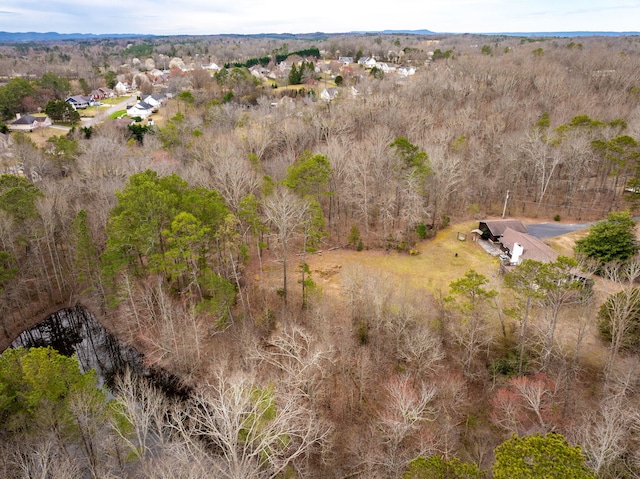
[118, 114]
[440, 261]
[115, 100]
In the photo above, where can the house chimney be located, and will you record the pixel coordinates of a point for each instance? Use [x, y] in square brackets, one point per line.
[516, 253]
[18, 116]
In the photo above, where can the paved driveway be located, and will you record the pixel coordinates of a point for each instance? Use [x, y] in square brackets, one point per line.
[550, 229]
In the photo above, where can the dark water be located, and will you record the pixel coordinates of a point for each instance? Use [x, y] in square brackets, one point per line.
[76, 331]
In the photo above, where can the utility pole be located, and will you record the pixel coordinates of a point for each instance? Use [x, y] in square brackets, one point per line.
[504, 209]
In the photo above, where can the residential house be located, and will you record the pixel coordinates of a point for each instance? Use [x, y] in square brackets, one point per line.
[80, 101]
[329, 94]
[385, 67]
[406, 71]
[29, 123]
[156, 100]
[213, 67]
[520, 246]
[121, 88]
[156, 76]
[284, 102]
[494, 229]
[259, 71]
[286, 64]
[367, 62]
[141, 109]
[101, 93]
[345, 60]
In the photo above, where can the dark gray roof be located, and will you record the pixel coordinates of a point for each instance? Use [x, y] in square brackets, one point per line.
[498, 227]
[80, 99]
[155, 96]
[25, 120]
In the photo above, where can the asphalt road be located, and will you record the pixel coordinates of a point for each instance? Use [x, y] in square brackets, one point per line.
[104, 113]
[550, 229]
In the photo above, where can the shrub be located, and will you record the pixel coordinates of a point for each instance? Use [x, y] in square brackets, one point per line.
[354, 235]
[421, 230]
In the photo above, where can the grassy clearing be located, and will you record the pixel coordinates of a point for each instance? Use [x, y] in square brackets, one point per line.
[440, 261]
[564, 244]
[115, 100]
[88, 112]
[41, 135]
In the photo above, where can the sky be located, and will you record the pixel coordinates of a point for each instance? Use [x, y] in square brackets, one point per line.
[209, 17]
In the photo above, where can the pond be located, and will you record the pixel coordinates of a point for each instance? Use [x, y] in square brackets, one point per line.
[76, 331]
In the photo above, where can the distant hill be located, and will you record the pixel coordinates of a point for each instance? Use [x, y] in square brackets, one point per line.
[412, 32]
[563, 34]
[9, 37]
[6, 37]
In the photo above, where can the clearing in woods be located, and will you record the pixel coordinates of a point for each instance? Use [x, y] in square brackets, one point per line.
[440, 261]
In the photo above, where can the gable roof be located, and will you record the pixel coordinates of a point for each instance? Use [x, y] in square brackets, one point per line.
[154, 96]
[25, 120]
[80, 99]
[498, 227]
[533, 248]
[142, 105]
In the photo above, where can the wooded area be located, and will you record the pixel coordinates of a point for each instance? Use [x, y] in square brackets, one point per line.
[189, 240]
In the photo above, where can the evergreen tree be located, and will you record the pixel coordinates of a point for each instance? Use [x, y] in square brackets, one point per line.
[610, 240]
[536, 457]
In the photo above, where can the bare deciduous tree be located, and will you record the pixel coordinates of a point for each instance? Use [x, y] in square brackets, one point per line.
[257, 432]
[286, 213]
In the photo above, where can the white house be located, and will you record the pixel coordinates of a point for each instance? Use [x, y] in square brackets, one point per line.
[141, 109]
[406, 71]
[121, 88]
[156, 100]
[367, 62]
[385, 67]
[329, 94]
[29, 123]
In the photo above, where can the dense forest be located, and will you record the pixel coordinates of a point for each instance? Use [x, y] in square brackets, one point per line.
[190, 239]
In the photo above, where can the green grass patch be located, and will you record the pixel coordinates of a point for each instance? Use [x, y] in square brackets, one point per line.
[118, 114]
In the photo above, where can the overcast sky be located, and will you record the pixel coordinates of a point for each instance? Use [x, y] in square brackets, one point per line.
[204, 17]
